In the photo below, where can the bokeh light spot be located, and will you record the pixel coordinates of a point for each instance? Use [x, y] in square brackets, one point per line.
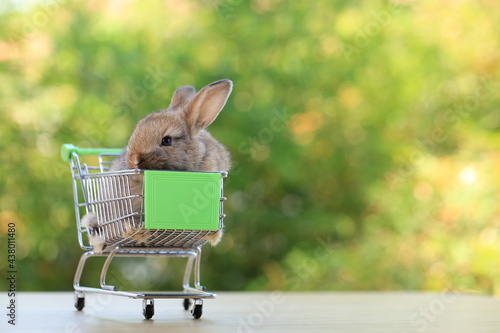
[468, 175]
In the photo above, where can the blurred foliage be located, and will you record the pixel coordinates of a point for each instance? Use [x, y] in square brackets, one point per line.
[365, 135]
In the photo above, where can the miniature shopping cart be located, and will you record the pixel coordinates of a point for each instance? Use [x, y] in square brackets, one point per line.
[179, 212]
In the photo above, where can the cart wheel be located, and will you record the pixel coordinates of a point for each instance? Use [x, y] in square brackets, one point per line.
[197, 310]
[186, 303]
[79, 303]
[148, 308]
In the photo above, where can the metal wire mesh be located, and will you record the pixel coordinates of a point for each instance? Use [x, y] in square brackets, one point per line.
[119, 212]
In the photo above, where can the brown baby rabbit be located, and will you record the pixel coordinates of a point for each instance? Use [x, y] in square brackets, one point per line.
[171, 139]
[175, 138]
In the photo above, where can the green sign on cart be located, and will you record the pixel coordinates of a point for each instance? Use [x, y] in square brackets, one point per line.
[181, 200]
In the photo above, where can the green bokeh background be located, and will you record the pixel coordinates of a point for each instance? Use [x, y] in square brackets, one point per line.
[365, 135]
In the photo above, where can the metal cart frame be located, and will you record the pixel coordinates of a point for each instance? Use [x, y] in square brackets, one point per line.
[164, 242]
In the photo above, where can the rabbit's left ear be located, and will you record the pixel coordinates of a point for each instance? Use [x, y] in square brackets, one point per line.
[207, 103]
[181, 97]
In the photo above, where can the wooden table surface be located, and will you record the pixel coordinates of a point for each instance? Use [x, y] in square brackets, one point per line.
[261, 312]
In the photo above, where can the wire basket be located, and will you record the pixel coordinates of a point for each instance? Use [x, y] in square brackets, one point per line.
[140, 213]
[120, 213]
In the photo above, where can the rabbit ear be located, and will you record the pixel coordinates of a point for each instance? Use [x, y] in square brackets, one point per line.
[181, 97]
[207, 103]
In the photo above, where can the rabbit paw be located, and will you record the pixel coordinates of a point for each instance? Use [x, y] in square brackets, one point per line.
[140, 236]
[215, 238]
[90, 221]
[96, 238]
[97, 242]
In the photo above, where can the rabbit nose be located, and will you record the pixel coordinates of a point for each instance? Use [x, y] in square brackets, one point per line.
[135, 160]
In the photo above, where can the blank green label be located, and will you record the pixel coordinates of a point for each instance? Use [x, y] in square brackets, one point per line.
[181, 200]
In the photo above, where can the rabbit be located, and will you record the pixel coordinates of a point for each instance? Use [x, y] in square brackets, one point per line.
[175, 139]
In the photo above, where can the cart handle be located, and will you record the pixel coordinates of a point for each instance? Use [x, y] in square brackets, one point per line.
[67, 149]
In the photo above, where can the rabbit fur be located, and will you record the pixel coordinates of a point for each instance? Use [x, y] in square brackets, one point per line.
[173, 139]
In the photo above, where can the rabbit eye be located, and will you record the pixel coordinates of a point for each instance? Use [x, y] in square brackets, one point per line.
[166, 141]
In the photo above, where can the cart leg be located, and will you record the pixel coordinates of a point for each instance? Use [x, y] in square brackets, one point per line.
[187, 277]
[79, 295]
[187, 273]
[105, 270]
[197, 270]
[79, 269]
